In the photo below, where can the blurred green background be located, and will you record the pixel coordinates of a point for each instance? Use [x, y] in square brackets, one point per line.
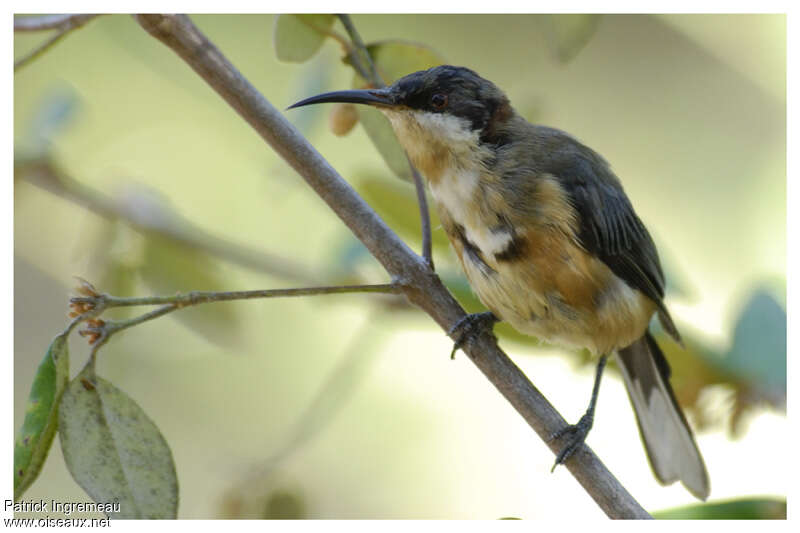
[348, 406]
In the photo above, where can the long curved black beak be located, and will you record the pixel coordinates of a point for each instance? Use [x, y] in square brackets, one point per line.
[374, 97]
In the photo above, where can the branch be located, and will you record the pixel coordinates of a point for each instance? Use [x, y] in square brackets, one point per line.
[370, 73]
[362, 54]
[424, 214]
[92, 304]
[106, 301]
[52, 22]
[420, 285]
[63, 23]
[146, 215]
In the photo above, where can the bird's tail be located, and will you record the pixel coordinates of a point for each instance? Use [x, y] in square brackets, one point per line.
[671, 448]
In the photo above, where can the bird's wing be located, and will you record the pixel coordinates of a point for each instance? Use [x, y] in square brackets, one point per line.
[608, 226]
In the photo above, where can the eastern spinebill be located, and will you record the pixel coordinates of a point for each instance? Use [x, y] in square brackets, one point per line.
[548, 240]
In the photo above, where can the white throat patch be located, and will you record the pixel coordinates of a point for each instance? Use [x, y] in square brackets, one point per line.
[418, 131]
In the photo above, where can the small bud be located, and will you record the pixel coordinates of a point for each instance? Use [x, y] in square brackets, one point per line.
[343, 118]
[85, 288]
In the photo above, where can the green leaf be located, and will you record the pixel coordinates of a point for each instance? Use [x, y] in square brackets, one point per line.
[739, 509]
[170, 267]
[41, 418]
[55, 114]
[568, 34]
[397, 204]
[393, 60]
[298, 37]
[380, 132]
[759, 344]
[285, 505]
[114, 451]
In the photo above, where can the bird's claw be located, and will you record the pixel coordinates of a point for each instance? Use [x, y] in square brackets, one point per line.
[469, 327]
[578, 433]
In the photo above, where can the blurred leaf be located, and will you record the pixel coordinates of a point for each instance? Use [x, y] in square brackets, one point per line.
[108, 263]
[41, 417]
[754, 369]
[118, 278]
[739, 509]
[57, 111]
[759, 344]
[393, 60]
[568, 34]
[114, 451]
[380, 132]
[170, 267]
[285, 505]
[298, 37]
[313, 78]
[342, 119]
[397, 204]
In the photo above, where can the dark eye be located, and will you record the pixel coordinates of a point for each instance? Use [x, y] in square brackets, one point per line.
[439, 100]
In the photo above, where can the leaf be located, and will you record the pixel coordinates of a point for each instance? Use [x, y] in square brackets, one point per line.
[759, 344]
[739, 509]
[170, 267]
[41, 418]
[114, 451]
[380, 132]
[393, 60]
[342, 119]
[397, 204]
[568, 34]
[56, 113]
[285, 505]
[298, 37]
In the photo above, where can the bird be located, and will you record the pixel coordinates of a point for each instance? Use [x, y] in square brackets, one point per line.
[548, 241]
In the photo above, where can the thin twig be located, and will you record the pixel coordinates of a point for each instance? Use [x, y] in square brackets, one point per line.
[100, 331]
[203, 297]
[63, 23]
[52, 22]
[421, 286]
[376, 80]
[362, 54]
[424, 215]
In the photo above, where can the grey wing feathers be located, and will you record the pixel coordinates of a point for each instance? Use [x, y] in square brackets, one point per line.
[670, 445]
[609, 226]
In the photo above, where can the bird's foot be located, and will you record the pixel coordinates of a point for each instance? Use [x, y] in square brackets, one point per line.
[577, 435]
[470, 327]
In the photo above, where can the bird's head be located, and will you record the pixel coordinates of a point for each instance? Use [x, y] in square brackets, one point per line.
[440, 115]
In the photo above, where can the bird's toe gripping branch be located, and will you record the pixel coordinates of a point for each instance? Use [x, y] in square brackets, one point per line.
[470, 327]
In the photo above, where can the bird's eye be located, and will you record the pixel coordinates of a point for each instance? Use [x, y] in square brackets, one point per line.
[439, 100]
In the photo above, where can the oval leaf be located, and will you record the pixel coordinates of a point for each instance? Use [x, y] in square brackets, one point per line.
[739, 509]
[298, 37]
[759, 342]
[169, 267]
[393, 60]
[342, 119]
[380, 132]
[114, 451]
[41, 418]
[397, 205]
[567, 34]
